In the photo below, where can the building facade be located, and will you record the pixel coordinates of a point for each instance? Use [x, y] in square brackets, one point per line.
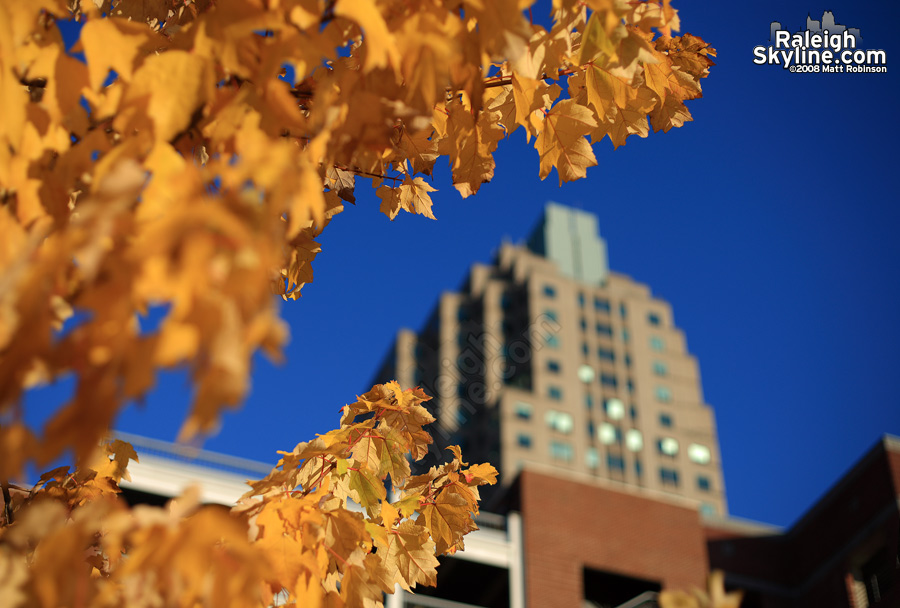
[547, 357]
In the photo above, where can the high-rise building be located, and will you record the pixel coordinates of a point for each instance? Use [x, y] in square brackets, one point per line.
[547, 359]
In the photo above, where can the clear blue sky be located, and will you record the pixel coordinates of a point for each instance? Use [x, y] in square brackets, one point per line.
[770, 223]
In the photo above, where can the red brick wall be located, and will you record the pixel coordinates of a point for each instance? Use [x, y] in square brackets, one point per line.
[568, 525]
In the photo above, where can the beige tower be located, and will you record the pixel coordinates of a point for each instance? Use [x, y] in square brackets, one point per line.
[548, 360]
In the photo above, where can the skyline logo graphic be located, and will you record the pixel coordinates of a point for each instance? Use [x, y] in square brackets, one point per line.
[824, 46]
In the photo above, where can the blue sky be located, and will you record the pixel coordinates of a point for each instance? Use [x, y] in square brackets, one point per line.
[769, 223]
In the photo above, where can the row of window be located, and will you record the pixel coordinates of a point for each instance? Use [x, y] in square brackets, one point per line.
[603, 305]
[564, 452]
[663, 393]
[610, 434]
[614, 409]
[659, 368]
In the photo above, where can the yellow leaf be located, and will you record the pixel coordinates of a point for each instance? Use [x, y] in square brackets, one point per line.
[562, 144]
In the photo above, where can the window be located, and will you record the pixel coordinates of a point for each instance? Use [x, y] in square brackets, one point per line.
[581, 300]
[667, 446]
[622, 310]
[627, 360]
[555, 393]
[669, 477]
[707, 509]
[609, 380]
[699, 453]
[634, 441]
[552, 341]
[523, 410]
[462, 315]
[592, 458]
[625, 335]
[553, 366]
[606, 354]
[614, 408]
[656, 343]
[505, 301]
[632, 411]
[583, 324]
[660, 368]
[703, 483]
[665, 420]
[590, 429]
[663, 394]
[877, 575]
[604, 330]
[549, 291]
[524, 440]
[630, 385]
[601, 304]
[615, 463]
[638, 469]
[461, 390]
[609, 434]
[551, 314]
[584, 349]
[559, 421]
[653, 319]
[589, 401]
[560, 450]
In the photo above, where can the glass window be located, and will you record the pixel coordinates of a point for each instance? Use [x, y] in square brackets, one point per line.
[584, 349]
[707, 509]
[583, 324]
[604, 330]
[560, 450]
[523, 440]
[588, 401]
[660, 368]
[549, 291]
[667, 446]
[653, 319]
[615, 463]
[559, 421]
[634, 441]
[609, 380]
[609, 434]
[592, 458]
[630, 385]
[581, 299]
[614, 408]
[627, 360]
[601, 304]
[656, 343]
[555, 393]
[552, 341]
[625, 335]
[633, 412]
[622, 310]
[703, 483]
[663, 394]
[665, 420]
[606, 354]
[551, 314]
[553, 366]
[699, 453]
[668, 476]
[523, 410]
[638, 469]
[461, 390]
